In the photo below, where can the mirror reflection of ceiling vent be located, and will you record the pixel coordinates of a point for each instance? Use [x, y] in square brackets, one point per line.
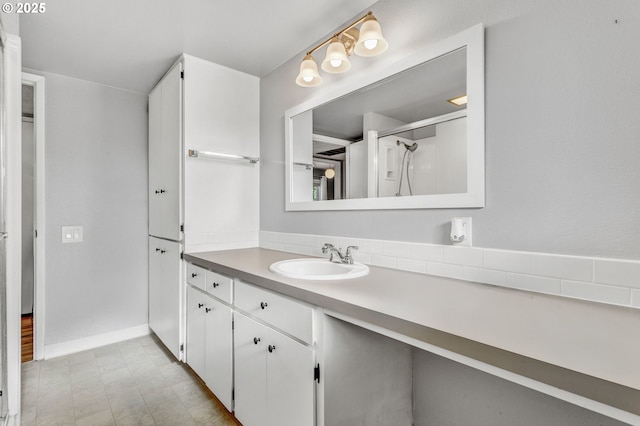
[333, 152]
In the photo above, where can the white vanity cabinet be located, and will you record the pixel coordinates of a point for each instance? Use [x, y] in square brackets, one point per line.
[274, 373]
[209, 343]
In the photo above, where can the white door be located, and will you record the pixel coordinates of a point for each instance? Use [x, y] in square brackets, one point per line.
[164, 292]
[290, 382]
[165, 156]
[250, 348]
[218, 341]
[196, 304]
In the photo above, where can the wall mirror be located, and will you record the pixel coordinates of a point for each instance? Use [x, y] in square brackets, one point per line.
[394, 140]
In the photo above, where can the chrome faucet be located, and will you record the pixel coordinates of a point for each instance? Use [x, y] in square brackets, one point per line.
[346, 258]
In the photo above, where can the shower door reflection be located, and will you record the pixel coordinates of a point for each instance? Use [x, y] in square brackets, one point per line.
[426, 160]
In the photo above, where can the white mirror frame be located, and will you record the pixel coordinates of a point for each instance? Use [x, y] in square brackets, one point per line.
[473, 39]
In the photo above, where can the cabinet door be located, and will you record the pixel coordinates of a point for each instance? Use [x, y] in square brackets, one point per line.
[250, 347]
[218, 353]
[164, 292]
[165, 156]
[290, 382]
[196, 303]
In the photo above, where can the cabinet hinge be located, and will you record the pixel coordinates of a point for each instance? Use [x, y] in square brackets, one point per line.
[181, 255]
[0, 393]
[316, 373]
[36, 233]
[182, 75]
[182, 228]
[182, 347]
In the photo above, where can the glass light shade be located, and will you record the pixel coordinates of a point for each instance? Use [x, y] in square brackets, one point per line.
[308, 75]
[329, 173]
[336, 60]
[370, 42]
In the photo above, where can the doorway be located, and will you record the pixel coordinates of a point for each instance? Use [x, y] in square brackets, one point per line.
[32, 336]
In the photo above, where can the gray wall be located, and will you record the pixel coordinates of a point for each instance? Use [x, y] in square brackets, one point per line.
[96, 176]
[561, 127]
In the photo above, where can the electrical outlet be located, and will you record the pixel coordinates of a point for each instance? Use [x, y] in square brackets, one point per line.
[465, 223]
[72, 234]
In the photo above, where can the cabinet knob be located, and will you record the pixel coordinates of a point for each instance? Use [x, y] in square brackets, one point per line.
[256, 340]
[193, 275]
[157, 249]
[215, 285]
[200, 305]
[206, 310]
[263, 305]
[271, 348]
[162, 251]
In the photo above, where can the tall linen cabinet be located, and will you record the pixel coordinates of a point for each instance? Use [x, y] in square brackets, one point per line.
[198, 203]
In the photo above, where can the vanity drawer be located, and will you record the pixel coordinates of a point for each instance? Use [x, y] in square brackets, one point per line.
[290, 316]
[196, 276]
[219, 286]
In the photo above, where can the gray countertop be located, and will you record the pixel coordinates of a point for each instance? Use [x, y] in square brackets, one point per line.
[586, 348]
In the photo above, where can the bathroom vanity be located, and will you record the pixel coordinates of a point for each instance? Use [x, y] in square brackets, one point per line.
[310, 352]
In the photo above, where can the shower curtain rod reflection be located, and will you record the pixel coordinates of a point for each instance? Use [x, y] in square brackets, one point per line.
[219, 156]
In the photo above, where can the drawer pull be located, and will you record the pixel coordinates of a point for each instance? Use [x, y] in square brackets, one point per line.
[194, 275]
[256, 340]
[271, 348]
[215, 285]
[206, 310]
[200, 305]
[263, 305]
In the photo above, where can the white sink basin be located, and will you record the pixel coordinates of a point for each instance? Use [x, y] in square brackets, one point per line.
[318, 269]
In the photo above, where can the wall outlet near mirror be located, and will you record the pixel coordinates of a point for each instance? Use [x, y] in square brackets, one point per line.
[461, 231]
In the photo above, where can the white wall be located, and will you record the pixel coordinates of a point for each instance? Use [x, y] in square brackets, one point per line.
[96, 176]
[561, 130]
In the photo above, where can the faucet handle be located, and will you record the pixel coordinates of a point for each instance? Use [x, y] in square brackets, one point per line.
[326, 247]
[347, 257]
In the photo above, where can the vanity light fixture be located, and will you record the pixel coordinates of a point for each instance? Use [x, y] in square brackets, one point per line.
[458, 101]
[367, 41]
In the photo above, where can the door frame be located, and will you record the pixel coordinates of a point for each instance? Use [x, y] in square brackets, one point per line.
[37, 82]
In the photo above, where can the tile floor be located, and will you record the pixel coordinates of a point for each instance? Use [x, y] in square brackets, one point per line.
[136, 382]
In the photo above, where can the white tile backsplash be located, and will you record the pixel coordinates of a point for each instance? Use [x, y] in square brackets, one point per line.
[597, 292]
[430, 252]
[617, 272]
[486, 276]
[412, 265]
[395, 249]
[609, 281]
[444, 270]
[469, 256]
[564, 267]
[507, 261]
[533, 283]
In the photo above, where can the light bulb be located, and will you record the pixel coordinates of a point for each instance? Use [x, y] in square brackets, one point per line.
[371, 44]
[335, 62]
[307, 78]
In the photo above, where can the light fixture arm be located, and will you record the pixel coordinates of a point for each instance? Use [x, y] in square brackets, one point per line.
[339, 33]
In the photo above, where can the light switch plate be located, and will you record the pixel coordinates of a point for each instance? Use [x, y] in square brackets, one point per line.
[72, 234]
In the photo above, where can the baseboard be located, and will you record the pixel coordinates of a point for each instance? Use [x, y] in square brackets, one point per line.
[91, 342]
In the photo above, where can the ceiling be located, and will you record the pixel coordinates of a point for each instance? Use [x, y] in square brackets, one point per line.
[413, 95]
[131, 43]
